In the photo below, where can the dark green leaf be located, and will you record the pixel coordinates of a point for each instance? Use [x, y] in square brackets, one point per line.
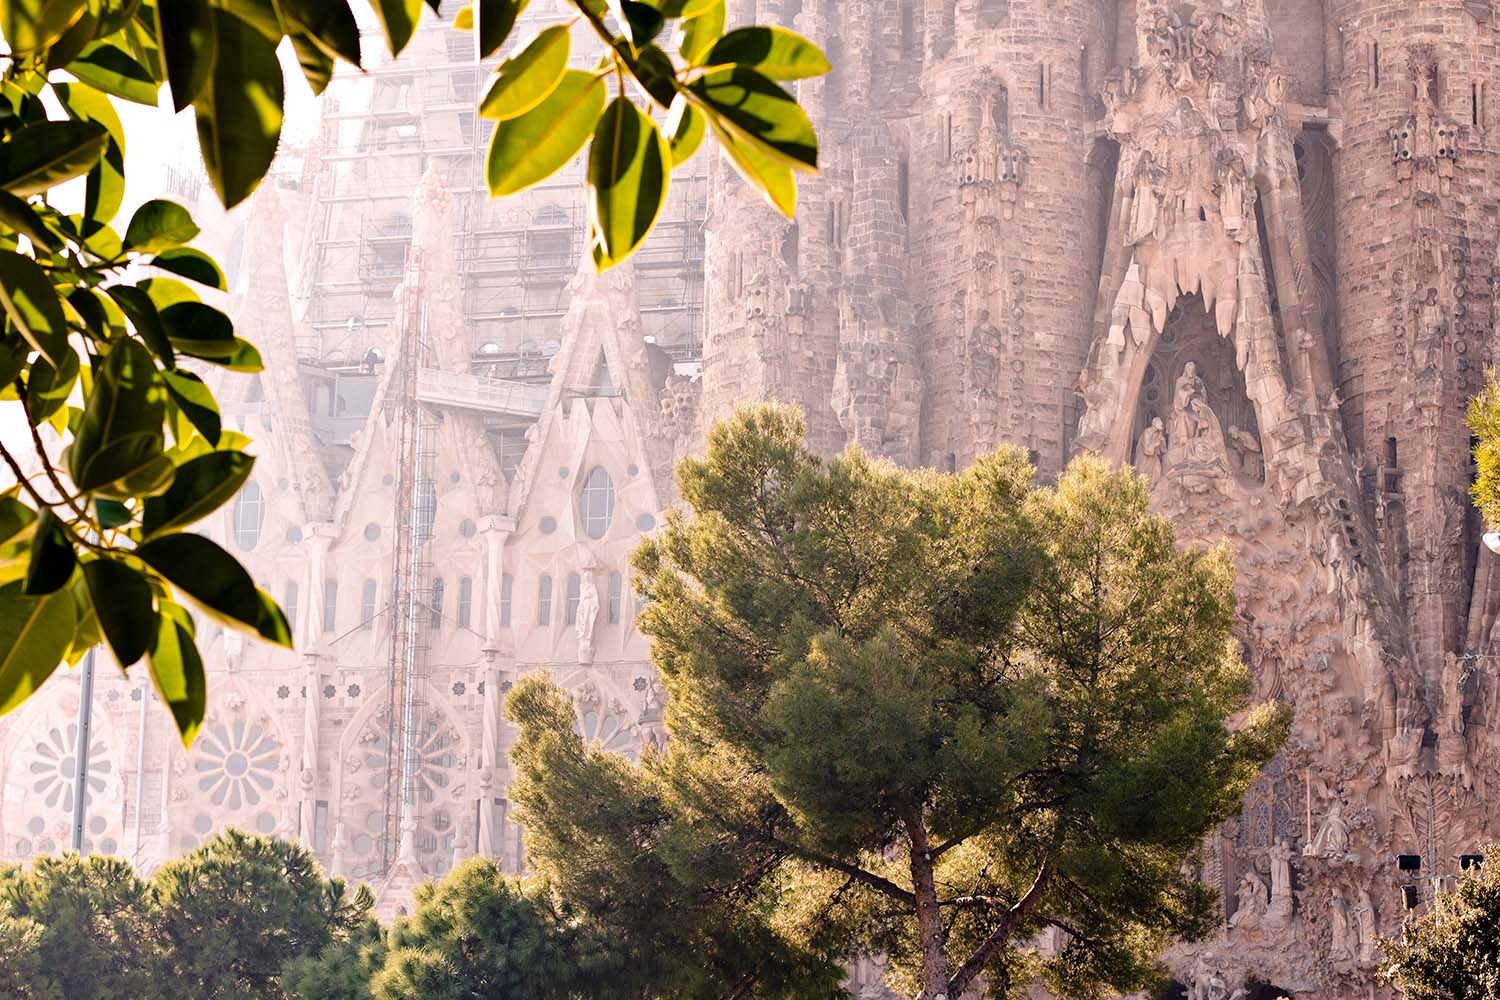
[216, 582]
[47, 388]
[771, 177]
[31, 302]
[196, 402]
[14, 353]
[699, 34]
[240, 110]
[199, 330]
[89, 309]
[774, 53]
[317, 65]
[524, 80]
[52, 557]
[629, 171]
[74, 41]
[107, 68]
[44, 154]
[685, 128]
[244, 357]
[119, 438]
[201, 487]
[193, 264]
[126, 608]
[34, 637]
[531, 148]
[329, 24]
[189, 46]
[158, 225]
[32, 25]
[177, 672]
[686, 8]
[15, 517]
[642, 21]
[105, 187]
[762, 112]
[21, 217]
[653, 70]
[399, 19]
[111, 513]
[137, 305]
[493, 21]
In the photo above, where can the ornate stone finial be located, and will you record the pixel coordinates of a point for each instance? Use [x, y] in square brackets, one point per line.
[433, 195]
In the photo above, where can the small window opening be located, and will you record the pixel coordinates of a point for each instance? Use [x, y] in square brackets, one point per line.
[1041, 84]
[437, 603]
[575, 593]
[903, 187]
[1375, 63]
[507, 584]
[544, 600]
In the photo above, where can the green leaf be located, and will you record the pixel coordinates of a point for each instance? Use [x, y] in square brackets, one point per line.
[685, 128]
[399, 19]
[201, 486]
[196, 402]
[31, 302]
[137, 305]
[240, 110]
[167, 292]
[159, 225]
[686, 9]
[105, 187]
[761, 111]
[493, 21]
[48, 388]
[642, 21]
[215, 581]
[111, 513]
[525, 79]
[199, 330]
[189, 47]
[629, 172]
[34, 637]
[529, 149]
[193, 264]
[126, 608]
[106, 68]
[18, 215]
[329, 24]
[44, 154]
[32, 25]
[120, 437]
[653, 70]
[15, 517]
[774, 53]
[698, 35]
[52, 557]
[74, 41]
[14, 353]
[177, 673]
[317, 65]
[772, 178]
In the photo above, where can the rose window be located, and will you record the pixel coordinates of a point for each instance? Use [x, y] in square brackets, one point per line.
[237, 763]
[55, 769]
[435, 758]
[41, 796]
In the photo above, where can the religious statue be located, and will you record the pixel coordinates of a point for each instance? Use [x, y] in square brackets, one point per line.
[1151, 450]
[1364, 922]
[1251, 898]
[1282, 901]
[1342, 948]
[1332, 840]
[588, 612]
[1208, 982]
[1247, 447]
[1195, 437]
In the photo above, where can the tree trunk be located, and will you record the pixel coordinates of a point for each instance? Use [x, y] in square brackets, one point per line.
[929, 917]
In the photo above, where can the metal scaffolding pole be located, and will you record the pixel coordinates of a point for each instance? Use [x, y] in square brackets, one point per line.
[81, 751]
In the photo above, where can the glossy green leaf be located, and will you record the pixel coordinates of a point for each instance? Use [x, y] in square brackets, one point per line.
[329, 24]
[240, 110]
[120, 437]
[86, 635]
[125, 606]
[52, 556]
[685, 128]
[762, 112]
[112, 513]
[17, 215]
[201, 486]
[47, 388]
[215, 581]
[34, 637]
[775, 53]
[317, 65]
[32, 25]
[15, 518]
[686, 8]
[493, 22]
[529, 149]
[193, 264]
[14, 355]
[104, 189]
[107, 68]
[697, 36]
[399, 20]
[770, 177]
[73, 41]
[189, 46]
[524, 80]
[31, 302]
[167, 292]
[629, 172]
[137, 305]
[158, 225]
[196, 402]
[199, 330]
[642, 21]
[44, 154]
[177, 673]
[653, 70]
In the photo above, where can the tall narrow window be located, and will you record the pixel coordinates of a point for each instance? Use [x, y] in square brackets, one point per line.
[908, 28]
[596, 505]
[947, 135]
[249, 515]
[544, 600]
[290, 606]
[575, 590]
[320, 826]
[465, 601]
[1474, 103]
[1041, 84]
[616, 594]
[330, 605]
[507, 583]
[437, 603]
[1375, 63]
[367, 606]
[903, 187]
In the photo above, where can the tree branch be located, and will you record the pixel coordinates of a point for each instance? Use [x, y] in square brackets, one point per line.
[1000, 936]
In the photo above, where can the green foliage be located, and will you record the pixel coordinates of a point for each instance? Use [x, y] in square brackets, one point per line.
[921, 715]
[240, 907]
[1484, 424]
[342, 970]
[1452, 951]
